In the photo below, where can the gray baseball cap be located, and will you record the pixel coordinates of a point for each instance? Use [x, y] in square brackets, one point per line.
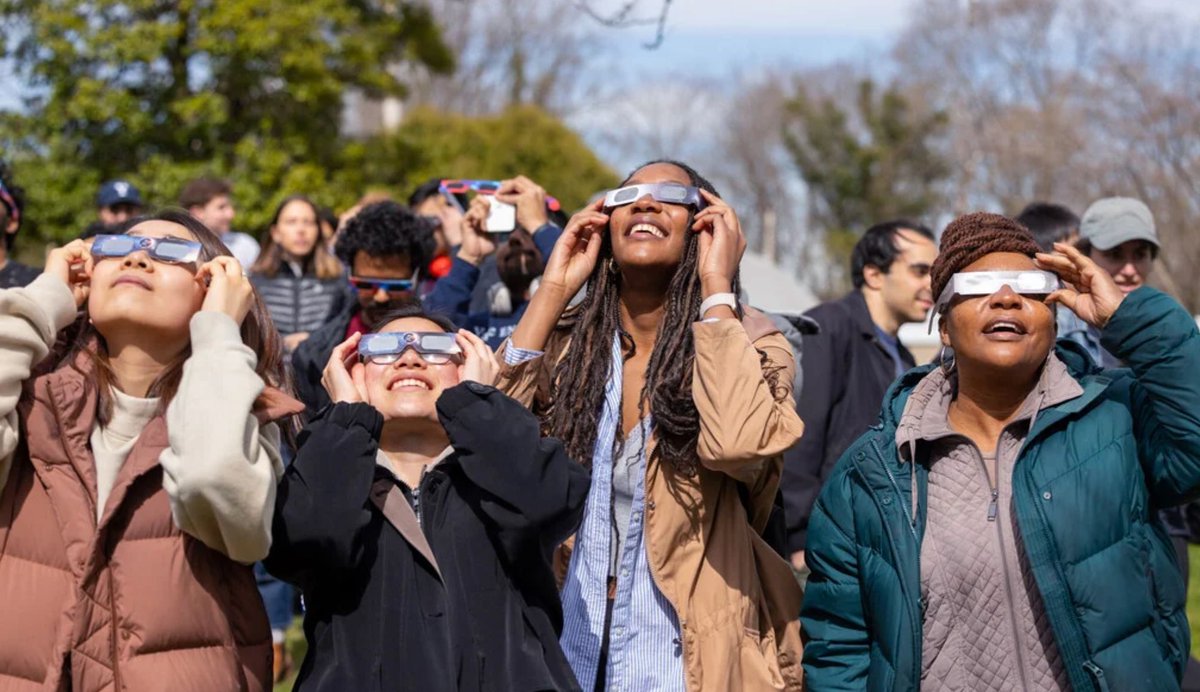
[1115, 220]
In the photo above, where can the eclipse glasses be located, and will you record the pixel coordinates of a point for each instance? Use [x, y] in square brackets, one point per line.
[461, 186]
[668, 193]
[169, 250]
[1026, 283]
[385, 348]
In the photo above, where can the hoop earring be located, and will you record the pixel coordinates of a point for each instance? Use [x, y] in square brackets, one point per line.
[612, 268]
[946, 363]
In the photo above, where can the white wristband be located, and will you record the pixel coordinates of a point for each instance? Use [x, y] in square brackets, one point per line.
[718, 299]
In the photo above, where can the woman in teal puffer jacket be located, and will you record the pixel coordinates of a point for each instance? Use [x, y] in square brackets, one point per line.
[997, 529]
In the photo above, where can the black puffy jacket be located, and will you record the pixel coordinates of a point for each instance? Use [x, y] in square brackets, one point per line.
[378, 616]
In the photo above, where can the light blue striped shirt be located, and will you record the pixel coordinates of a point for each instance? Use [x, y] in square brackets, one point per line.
[644, 651]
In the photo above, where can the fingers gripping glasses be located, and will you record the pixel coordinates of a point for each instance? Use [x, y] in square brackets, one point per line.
[384, 348]
[169, 250]
[668, 193]
[1026, 283]
[460, 186]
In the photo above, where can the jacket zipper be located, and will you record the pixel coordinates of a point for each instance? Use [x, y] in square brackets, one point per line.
[416, 494]
[1097, 675]
[993, 511]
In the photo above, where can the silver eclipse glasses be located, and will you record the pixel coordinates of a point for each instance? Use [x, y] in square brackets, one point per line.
[384, 348]
[668, 193]
[1026, 283]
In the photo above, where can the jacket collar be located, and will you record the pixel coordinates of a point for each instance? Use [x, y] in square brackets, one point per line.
[926, 415]
[856, 304]
[1090, 377]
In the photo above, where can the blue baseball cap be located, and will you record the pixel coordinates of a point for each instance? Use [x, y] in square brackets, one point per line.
[116, 192]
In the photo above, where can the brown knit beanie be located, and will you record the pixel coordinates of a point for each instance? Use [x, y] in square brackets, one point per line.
[972, 236]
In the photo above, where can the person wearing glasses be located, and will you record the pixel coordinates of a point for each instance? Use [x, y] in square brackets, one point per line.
[679, 401]
[386, 248]
[420, 518]
[138, 465]
[998, 529]
[302, 284]
[849, 363]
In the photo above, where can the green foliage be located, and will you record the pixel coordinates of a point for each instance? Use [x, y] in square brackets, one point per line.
[521, 140]
[158, 90]
[874, 164]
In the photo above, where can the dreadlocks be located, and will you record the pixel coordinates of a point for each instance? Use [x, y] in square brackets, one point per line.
[584, 370]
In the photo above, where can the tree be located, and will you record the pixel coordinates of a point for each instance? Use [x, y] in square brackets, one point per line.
[1066, 101]
[509, 52]
[156, 90]
[521, 140]
[862, 167]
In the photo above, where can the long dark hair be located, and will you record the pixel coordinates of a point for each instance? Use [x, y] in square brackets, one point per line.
[573, 412]
[258, 331]
[319, 261]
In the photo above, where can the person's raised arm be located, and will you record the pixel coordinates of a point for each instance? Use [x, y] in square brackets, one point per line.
[566, 272]
[1156, 337]
[30, 319]
[451, 296]
[531, 488]
[746, 410]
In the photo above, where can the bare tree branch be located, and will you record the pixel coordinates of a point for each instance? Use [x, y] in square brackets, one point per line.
[624, 17]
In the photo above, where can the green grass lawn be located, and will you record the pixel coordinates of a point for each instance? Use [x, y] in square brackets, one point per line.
[296, 644]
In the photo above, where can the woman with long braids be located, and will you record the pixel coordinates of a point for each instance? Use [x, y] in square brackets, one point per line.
[138, 463]
[681, 405]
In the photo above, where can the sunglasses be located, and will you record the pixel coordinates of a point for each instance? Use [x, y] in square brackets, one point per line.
[1027, 283]
[388, 285]
[385, 348]
[461, 186]
[169, 250]
[668, 193]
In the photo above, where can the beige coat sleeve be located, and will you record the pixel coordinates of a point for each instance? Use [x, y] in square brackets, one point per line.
[30, 319]
[526, 380]
[221, 467]
[742, 419]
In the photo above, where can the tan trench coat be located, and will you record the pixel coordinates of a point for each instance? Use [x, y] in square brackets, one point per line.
[736, 599]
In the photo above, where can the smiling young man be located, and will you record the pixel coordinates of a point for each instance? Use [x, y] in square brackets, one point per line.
[849, 365]
[419, 519]
[386, 247]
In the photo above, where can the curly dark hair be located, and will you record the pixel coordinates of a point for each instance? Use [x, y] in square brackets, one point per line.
[572, 413]
[17, 194]
[387, 229]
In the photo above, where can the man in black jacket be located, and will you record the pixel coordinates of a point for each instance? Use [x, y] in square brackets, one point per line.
[856, 355]
[419, 519]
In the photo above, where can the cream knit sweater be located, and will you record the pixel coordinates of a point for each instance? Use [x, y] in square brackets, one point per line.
[221, 467]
